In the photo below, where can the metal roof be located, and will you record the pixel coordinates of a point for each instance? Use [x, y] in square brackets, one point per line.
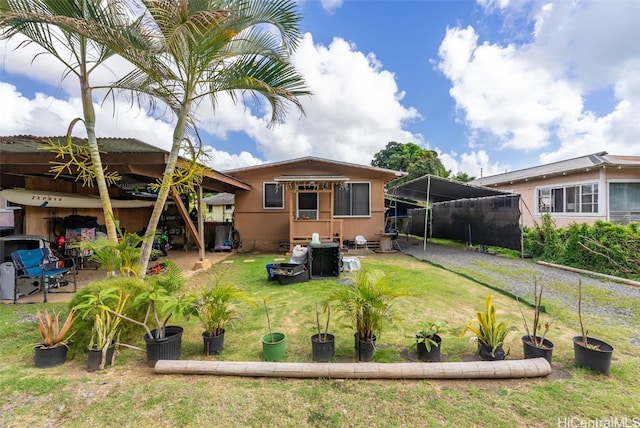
[22, 156]
[220, 199]
[582, 163]
[431, 188]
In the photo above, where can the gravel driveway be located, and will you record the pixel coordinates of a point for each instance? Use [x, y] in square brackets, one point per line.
[517, 275]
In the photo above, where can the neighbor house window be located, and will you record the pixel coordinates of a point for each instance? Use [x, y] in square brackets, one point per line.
[273, 196]
[624, 196]
[568, 199]
[352, 199]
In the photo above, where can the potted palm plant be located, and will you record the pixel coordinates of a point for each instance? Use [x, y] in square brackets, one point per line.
[367, 303]
[52, 349]
[105, 332]
[428, 341]
[534, 343]
[488, 332]
[322, 343]
[214, 307]
[163, 300]
[590, 352]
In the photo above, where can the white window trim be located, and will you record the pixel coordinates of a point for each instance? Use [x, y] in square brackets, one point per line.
[601, 195]
[317, 202]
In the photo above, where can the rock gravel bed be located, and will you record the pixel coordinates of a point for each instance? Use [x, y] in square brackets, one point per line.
[517, 275]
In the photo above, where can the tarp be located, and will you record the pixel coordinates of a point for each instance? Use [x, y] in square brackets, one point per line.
[431, 188]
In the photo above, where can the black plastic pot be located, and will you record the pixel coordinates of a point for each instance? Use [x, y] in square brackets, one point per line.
[485, 353]
[213, 345]
[596, 356]
[166, 348]
[50, 357]
[324, 350]
[94, 358]
[431, 355]
[532, 351]
[364, 348]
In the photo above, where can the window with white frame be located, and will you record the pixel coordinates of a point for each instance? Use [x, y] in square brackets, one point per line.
[581, 198]
[352, 199]
[272, 196]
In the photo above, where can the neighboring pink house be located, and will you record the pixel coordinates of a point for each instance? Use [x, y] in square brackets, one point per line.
[581, 190]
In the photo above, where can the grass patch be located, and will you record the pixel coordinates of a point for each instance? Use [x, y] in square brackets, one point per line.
[130, 394]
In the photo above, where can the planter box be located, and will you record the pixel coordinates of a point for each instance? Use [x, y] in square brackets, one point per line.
[293, 279]
[286, 269]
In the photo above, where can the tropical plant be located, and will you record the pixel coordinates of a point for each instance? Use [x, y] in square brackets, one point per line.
[539, 331]
[368, 301]
[53, 334]
[214, 304]
[486, 328]
[427, 335]
[38, 21]
[161, 296]
[322, 337]
[185, 51]
[106, 325]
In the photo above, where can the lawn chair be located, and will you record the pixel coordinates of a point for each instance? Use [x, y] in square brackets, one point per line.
[40, 264]
[360, 241]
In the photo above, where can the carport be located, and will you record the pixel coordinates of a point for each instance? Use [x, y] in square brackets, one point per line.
[465, 212]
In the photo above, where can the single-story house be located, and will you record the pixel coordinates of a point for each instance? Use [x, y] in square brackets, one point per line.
[598, 186]
[38, 202]
[290, 201]
[219, 208]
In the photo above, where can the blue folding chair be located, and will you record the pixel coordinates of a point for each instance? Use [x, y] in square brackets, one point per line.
[39, 263]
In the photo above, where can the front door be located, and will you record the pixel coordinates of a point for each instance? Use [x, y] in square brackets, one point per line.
[308, 205]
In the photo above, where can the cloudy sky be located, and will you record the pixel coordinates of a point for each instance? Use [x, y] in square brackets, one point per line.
[491, 85]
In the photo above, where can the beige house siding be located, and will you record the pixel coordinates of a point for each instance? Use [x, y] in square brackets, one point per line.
[268, 229]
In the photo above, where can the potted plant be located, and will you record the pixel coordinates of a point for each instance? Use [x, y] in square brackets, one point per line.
[534, 343]
[367, 303]
[52, 350]
[322, 343]
[162, 298]
[590, 352]
[106, 328]
[428, 342]
[489, 333]
[273, 343]
[215, 309]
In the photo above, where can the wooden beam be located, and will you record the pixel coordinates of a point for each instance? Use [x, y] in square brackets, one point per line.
[185, 215]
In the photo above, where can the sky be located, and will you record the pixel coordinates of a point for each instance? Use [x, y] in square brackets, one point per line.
[491, 85]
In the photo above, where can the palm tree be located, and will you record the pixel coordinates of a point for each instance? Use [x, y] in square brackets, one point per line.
[186, 51]
[36, 20]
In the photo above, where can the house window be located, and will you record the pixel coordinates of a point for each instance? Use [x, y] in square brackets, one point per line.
[273, 196]
[568, 199]
[624, 196]
[308, 205]
[352, 199]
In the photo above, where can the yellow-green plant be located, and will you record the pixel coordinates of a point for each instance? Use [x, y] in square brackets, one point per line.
[51, 332]
[214, 304]
[368, 301]
[488, 331]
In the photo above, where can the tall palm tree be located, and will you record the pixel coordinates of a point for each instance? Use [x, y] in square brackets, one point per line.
[35, 20]
[186, 51]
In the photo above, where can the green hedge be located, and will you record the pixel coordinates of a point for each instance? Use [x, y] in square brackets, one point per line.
[602, 247]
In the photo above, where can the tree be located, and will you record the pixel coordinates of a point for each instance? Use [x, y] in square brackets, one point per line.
[35, 20]
[463, 177]
[411, 158]
[185, 51]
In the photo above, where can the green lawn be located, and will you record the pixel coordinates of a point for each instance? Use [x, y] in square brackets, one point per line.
[130, 394]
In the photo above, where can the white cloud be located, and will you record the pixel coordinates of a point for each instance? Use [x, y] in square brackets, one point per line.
[331, 5]
[532, 98]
